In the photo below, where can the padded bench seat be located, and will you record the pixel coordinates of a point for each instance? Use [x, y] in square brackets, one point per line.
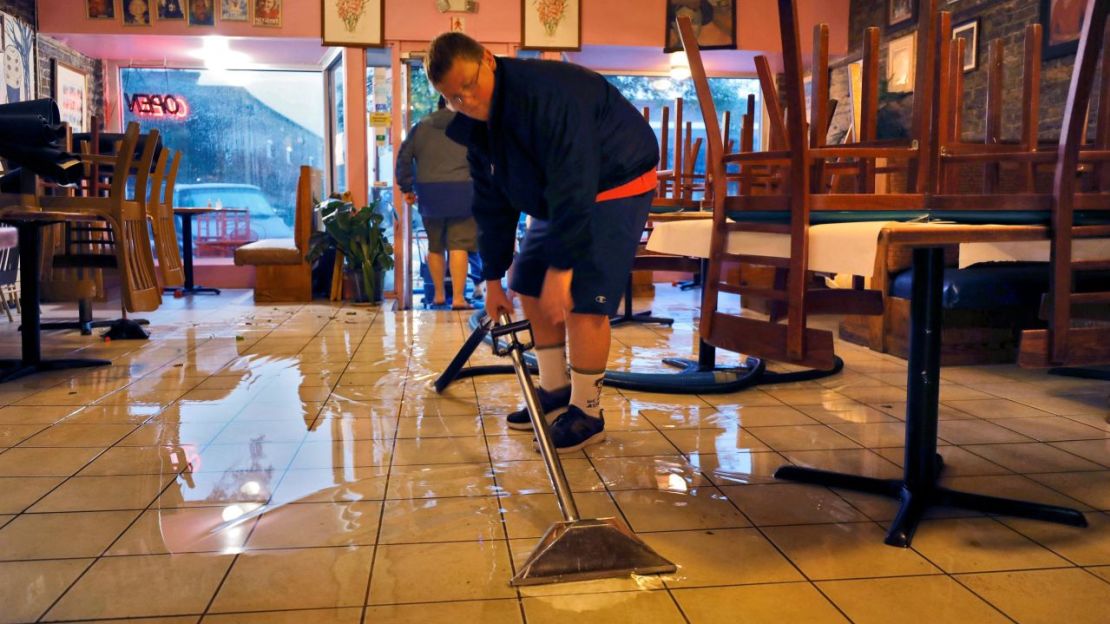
[969, 217]
[992, 285]
[269, 251]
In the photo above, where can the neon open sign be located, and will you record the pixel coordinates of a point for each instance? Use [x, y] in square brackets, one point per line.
[154, 105]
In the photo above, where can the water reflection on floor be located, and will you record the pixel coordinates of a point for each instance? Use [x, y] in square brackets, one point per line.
[292, 464]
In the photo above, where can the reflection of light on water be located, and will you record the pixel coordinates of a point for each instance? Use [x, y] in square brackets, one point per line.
[232, 512]
[250, 488]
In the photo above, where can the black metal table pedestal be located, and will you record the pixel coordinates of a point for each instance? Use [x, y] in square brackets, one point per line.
[918, 489]
[31, 361]
[187, 243]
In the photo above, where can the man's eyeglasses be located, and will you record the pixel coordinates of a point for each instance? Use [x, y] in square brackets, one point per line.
[468, 88]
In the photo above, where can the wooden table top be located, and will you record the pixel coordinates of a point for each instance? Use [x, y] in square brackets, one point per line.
[195, 210]
[24, 215]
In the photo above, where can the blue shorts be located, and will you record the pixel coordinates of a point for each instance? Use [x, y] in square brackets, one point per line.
[601, 278]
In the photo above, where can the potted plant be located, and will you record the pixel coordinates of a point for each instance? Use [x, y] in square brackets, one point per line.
[360, 236]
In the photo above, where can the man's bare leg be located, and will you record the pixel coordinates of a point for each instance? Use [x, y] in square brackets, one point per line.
[437, 267]
[459, 263]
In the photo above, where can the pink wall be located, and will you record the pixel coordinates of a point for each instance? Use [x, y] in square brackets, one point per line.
[604, 22]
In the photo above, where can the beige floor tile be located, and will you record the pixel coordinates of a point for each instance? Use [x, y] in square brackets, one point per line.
[728, 440]
[342, 454]
[422, 520]
[157, 433]
[749, 397]
[1083, 546]
[852, 461]
[10, 435]
[814, 396]
[980, 545]
[1097, 451]
[698, 508]
[996, 408]
[1091, 488]
[17, 493]
[975, 431]
[1051, 429]
[140, 460]
[721, 557]
[1015, 486]
[738, 468]
[611, 607]
[1033, 457]
[1102, 572]
[62, 535]
[331, 485]
[348, 615]
[958, 462]
[76, 435]
[317, 524]
[44, 462]
[220, 530]
[485, 611]
[438, 408]
[103, 493]
[846, 551]
[669, 472]
[1044, 596]
[45, 415]
[30, 587]
[530, 516]
[441, 572]
[509, 448]
[844, 412]
[916, 600]
[631, 444]
[785, 503]
[306, 578]
[803, 438]
[469, 450]
[149, 585]
[765, 416]
[439, 426]
[797, 603]
[180, 619]
[530, 477]
[874, 435]
[690, 417]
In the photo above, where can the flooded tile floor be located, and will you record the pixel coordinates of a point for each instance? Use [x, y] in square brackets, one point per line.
[292, 464]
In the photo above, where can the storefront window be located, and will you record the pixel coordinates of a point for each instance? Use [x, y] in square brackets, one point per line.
[242, 138]
[336, 125]
[729, 94]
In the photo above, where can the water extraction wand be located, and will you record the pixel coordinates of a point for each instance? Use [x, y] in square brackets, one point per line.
[575, 549]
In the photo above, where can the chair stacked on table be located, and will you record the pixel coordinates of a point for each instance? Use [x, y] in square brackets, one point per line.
[786, 189]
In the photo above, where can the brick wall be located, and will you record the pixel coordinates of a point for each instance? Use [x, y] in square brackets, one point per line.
[48, 50]
[999, 19]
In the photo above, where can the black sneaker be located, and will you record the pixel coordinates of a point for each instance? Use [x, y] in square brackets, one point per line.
[574, 430]
[553, 403]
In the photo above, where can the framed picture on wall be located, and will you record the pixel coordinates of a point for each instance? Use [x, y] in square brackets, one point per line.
[900, 64]
[714, 23]
[234, 10]
[969, 32]
[359, 23]
[268, 13]
[551, 24]
[1062, 21]
[900, 13]
[202, 13]
[100, 9]
[71, 92]
[136, 13]
[19, 60]
[171, 10]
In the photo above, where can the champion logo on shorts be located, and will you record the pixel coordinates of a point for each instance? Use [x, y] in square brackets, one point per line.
[600, 299]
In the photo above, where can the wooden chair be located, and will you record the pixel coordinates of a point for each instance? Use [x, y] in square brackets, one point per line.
[159, 209]
[126, 244]
[281, 272]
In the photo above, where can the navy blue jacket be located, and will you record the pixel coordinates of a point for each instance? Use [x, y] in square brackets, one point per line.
[558, 134]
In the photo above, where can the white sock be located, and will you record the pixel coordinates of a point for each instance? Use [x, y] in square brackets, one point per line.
[585, 390]
[553, 367]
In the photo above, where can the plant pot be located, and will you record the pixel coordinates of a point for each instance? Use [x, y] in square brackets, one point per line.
[355, 287]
